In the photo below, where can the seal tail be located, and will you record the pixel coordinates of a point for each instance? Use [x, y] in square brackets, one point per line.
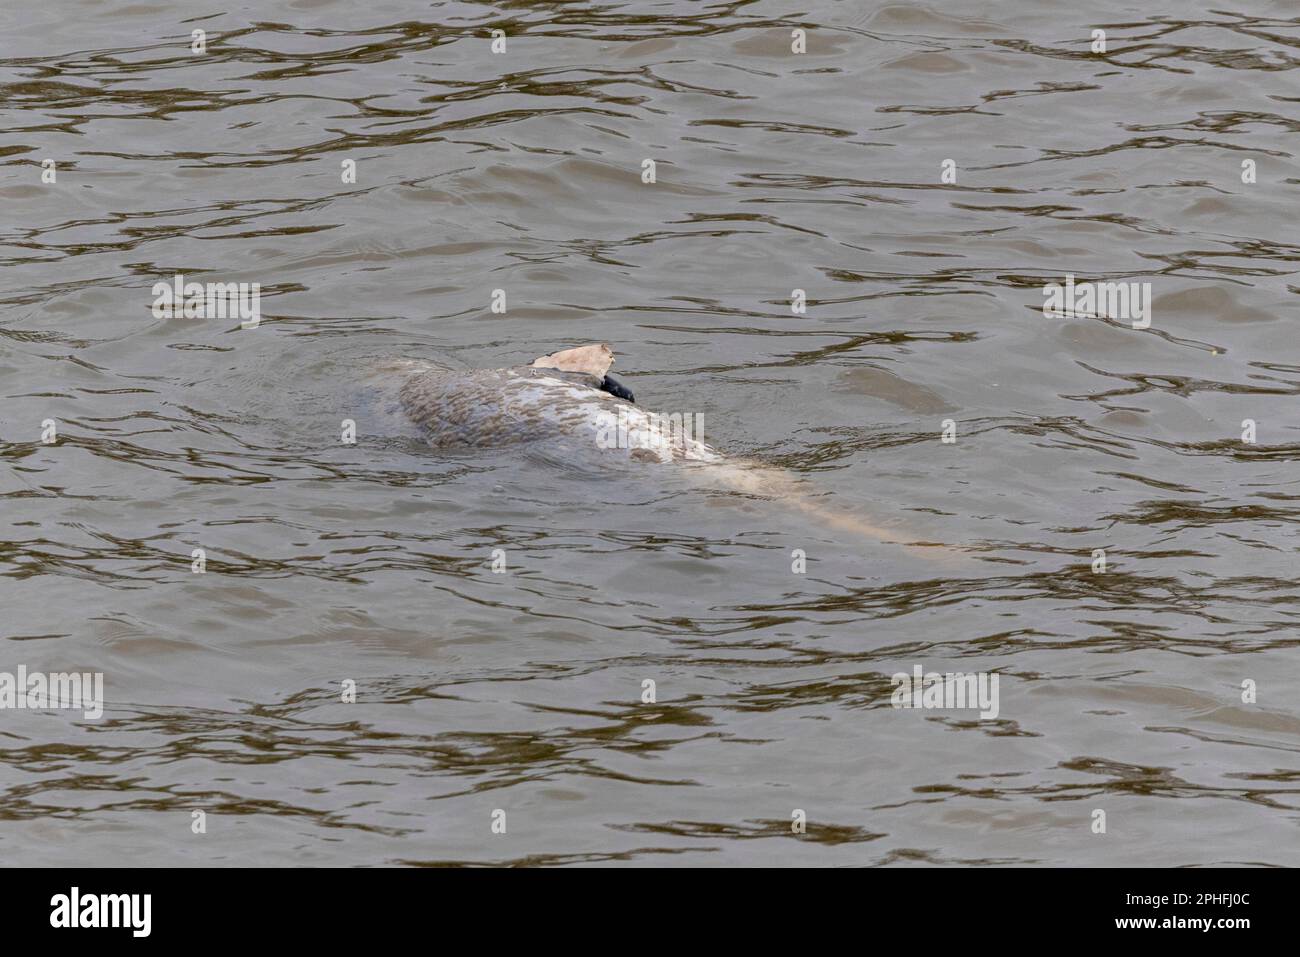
[756, 479]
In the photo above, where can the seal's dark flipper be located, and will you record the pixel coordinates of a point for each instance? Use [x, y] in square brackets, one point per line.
[615, 388]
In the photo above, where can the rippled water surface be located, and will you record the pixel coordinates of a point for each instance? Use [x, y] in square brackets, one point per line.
[1120, 690]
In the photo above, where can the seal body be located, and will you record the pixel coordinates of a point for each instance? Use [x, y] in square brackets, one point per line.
[565, 407]
[562, 411]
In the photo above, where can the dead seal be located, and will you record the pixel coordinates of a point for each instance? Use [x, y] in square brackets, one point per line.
[566, 399]
[566, 402]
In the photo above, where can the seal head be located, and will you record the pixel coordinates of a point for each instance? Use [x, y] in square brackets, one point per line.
[617, 389]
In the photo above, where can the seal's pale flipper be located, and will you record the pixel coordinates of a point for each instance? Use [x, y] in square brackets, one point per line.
[753, 478]
[594, 360]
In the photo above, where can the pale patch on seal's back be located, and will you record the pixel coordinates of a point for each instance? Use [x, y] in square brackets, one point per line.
[593, 360]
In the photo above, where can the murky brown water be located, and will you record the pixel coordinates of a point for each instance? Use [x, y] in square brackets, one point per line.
[1119, 691]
